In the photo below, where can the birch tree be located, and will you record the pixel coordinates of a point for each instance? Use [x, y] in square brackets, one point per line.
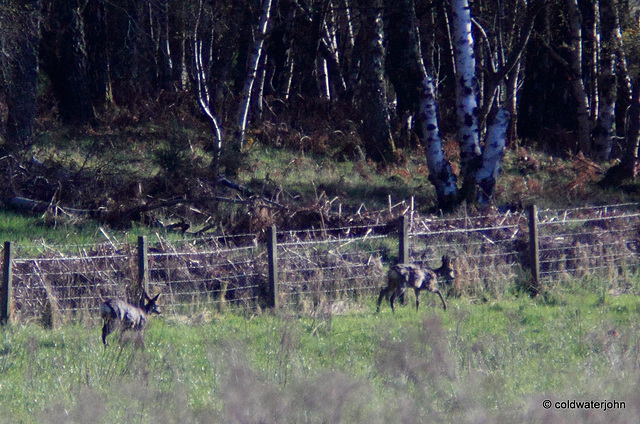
[477, 168]
[252, 72]
[203, 93]
[416, 94]
[466, 96]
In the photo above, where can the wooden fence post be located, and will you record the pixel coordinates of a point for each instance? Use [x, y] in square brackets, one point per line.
[143, 265]
[534, 254]
[272, 251]
[403, 248]
[5, 290]
[403, 240]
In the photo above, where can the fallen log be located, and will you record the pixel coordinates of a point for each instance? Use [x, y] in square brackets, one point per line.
[38, 206]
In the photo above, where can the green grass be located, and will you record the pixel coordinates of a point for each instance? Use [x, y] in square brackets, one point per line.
[496, 360]
[306, 176]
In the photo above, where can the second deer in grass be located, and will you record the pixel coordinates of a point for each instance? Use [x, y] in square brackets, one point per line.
[117, 313]
[403, 276]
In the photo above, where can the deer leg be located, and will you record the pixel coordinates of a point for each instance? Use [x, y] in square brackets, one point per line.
[444, 304]
[106, 329]
[417, 292]
[403, 301]
[383, 292]
[393, 297]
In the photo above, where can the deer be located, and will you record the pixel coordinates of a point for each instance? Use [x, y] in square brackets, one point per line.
[402, 276]
[118, 313]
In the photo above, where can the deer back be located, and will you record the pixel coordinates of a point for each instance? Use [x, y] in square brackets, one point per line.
[406, 275]
[130, 316]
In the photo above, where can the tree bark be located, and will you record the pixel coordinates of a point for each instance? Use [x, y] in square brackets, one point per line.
[466, 97]
[492, 156]
[376, 127]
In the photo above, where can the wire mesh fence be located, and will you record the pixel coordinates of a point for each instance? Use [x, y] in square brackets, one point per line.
[491, 254]
[329, 267]
[597, 242]
[490, 251]
[72, 279]
[208, 271]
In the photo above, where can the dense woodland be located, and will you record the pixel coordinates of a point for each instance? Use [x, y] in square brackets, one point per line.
[384, 76]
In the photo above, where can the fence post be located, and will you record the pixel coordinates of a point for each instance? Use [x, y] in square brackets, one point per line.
[143, 265]
[403, 248]
[403, 240]
[5, 290]
[534, 254]
[272, 252]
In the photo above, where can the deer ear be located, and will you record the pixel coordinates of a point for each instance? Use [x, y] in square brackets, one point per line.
[156, 297]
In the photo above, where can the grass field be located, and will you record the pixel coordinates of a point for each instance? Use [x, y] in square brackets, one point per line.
[486, 362]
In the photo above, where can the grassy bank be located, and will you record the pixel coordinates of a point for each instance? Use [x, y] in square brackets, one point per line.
[495, 361]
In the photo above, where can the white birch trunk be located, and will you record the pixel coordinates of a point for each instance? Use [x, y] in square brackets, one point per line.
[440, 172]
[466, 91]
[323, 78]
[204, 99]
[261, 82]
[492, 156]
[245, 102]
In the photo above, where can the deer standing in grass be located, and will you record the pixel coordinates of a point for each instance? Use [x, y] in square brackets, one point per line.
[118, 313]
[402, 276]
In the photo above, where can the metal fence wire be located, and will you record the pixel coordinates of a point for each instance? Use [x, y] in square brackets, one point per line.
[337, 265]
[73, 278]
[491, 253]
[590, 242]
[196, 273]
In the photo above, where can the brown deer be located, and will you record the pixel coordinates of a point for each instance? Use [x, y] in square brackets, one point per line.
[402, 276]
[118, 313]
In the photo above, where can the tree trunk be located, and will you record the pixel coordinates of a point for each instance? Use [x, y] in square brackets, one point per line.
[577, 83]
[98, 56]
[512, 83]
[416, 93]
[20, 39]
[466, 97]
[245, 102]
[605, 126]
[204, 100]
[66, 62]
[629, 164]
[376, 128]
[201, 79]
[492, 156]
[440, 173]
[627, 169]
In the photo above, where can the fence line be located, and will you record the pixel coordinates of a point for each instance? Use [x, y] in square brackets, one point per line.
[307, 268]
